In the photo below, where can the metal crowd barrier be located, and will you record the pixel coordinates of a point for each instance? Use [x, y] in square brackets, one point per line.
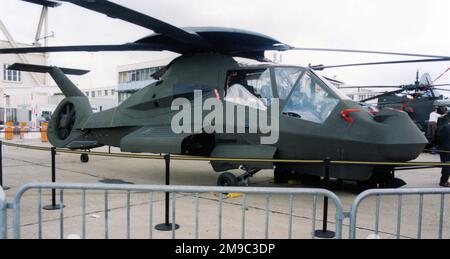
[128, 190]
[171, 191]
[400, 194]
[3, 216]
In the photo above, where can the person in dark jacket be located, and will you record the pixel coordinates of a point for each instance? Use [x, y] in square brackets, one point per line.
[444, 145]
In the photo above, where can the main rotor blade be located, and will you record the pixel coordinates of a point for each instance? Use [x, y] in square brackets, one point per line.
[44, 3]
[370, 86]
[372, 52]
[322, 67]
[364, 93]
[384, 86]
[120, 12]
[382, 95]
[440, 85]
[86, 48]
[444, 90]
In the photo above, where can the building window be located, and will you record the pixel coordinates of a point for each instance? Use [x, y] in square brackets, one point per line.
[87, 94]
[93, 94]
[99, 93]
[123, 77]
[132, 76]
[137, 75]
[113, 92]
[11, 75]
[106, 92]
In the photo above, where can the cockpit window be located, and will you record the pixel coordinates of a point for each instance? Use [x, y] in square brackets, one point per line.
[311, 100]
[251, 88]
[286, 78]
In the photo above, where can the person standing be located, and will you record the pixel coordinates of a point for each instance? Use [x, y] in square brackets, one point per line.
[433, 125]
[444, 145]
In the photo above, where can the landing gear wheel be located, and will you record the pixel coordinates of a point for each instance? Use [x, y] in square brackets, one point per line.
[84, 158]
[227, 179]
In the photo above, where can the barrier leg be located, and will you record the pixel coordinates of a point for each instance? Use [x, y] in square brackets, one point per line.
[1, 167]
[167, 226]
[324, 232]
[9, 131]
[53, 206]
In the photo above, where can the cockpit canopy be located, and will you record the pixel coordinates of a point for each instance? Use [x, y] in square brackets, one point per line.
[302, 93]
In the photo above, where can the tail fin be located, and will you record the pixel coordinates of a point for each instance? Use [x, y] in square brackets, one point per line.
[68, 88]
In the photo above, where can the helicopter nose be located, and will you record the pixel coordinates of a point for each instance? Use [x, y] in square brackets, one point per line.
[402, 140]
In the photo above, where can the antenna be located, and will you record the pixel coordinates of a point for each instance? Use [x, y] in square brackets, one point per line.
[417, 83]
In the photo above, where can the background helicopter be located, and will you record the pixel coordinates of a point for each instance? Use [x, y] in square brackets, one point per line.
[316, 120]
[418, 99]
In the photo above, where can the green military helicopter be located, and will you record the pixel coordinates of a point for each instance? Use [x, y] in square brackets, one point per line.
[316, 121]
[418, 99]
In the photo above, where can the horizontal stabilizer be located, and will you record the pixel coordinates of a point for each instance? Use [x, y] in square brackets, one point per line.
[45, 69]
[68, 88]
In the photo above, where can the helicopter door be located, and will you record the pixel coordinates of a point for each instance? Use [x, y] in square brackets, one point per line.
[249, 89]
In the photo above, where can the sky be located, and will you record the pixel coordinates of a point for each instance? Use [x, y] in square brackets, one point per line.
[414, 26]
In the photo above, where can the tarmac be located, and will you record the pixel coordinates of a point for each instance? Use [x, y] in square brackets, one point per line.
[22, 166]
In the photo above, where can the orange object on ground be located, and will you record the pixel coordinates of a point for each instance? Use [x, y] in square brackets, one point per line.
[23, 129]
[9, 131]
[44, 126]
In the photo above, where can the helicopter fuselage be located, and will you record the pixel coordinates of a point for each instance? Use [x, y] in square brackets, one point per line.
[315, 120]
[418, 108]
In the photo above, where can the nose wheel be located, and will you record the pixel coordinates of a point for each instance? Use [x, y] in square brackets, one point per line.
[229, 179]
[84, 158]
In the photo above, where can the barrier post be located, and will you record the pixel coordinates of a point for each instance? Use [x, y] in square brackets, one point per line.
[53, 206]
[9, 131]
[23, 129]
[1, 167]
[324, 232]
[44, 127]
[167, 226]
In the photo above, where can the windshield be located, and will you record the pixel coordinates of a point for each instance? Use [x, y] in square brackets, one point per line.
[311, 100]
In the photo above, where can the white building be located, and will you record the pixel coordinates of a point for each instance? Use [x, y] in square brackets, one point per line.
[23, 95]
[102, 98]
[354, 93]
[134, 77]
[101, 92]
